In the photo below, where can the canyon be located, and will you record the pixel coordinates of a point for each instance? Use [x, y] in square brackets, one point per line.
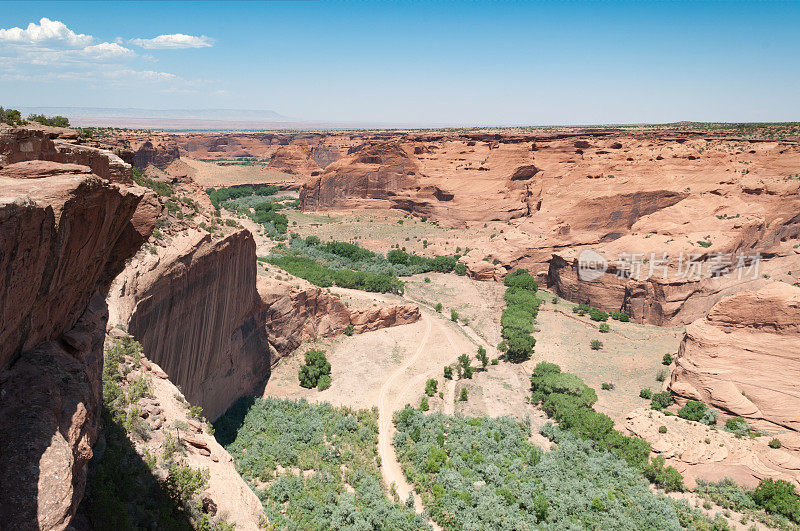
[89, 253]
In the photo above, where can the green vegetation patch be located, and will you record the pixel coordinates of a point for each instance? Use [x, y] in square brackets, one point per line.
[123, 492]
[517, 320]
[483, 473]
[312, 466]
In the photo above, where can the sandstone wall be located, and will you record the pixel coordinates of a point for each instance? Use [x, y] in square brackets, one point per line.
[195, 310]
[743, 358]
[295, 315]
[64, 232]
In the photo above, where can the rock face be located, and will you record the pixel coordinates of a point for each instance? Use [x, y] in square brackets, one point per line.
[699, 452]
[555, 194]
[145, 150]
[295, 315]
[195, 310]
[743, 358]
[49, 410]
[22, 144]
[411, 177]
[64, 232]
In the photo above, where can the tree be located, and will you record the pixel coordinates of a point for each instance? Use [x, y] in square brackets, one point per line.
[438, 307]
[661, 400]
[667, 359]
[519, 347]
[482, 357]
[778, 496]
[423, 404]
[448, 372]
[464, 395]
[693, 410]
[464, 366]
[431, 386]
[316, 365]
[453, 315]
[11, 117]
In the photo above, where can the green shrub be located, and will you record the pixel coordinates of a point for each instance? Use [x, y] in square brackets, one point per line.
[661, 400]
[324, 382]
[646, 394]
[438, 307]
[448, 372]
[482, 356]
[431, 386]
[775, 443]
[597, 315]
[693, 410]
[662, 429]
[667, 359]
[596, 344]
[320, 275]
[338, 446]
[423, 404]
[464, 395]
[668, 478]
[738, 426]
[453, 315]
[520, 279]
[316, 366]
[620, 316]
[778, 497]
[460, 269]
[484, 473]
[607, 386]
[604, 328]
[159, 187]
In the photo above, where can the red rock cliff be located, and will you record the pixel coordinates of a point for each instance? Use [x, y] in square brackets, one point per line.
[64, 230]
[195, 309]
[743, 358]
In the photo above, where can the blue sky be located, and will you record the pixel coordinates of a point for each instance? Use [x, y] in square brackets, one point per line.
[477, 63]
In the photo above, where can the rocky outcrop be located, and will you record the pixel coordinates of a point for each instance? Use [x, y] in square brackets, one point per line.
[701, 452]
[369, 177]
[50, 412]
[194, 308]
[64, 232]
[743, 358]
[294, 315]
[24, 144]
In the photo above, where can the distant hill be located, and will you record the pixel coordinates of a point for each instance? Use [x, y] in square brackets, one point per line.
[164, 114]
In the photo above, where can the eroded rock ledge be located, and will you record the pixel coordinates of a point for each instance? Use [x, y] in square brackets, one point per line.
[743, 359]
[66, 226]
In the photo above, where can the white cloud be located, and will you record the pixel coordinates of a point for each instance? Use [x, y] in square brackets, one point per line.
[107, 50]
[46, 32]
[174, 41]
[140, 75]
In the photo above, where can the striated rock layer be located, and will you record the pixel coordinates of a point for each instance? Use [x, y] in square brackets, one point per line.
[743, 359]
[700, 452]
[65, 229]
[195, 310]
[295, 315]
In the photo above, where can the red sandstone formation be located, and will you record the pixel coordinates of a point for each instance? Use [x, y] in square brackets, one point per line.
[743, 359]
[194, 308]
[66, 225]
[619, 194]
[295, 315]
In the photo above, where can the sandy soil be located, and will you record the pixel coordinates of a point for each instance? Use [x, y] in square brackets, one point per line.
[208, 174]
